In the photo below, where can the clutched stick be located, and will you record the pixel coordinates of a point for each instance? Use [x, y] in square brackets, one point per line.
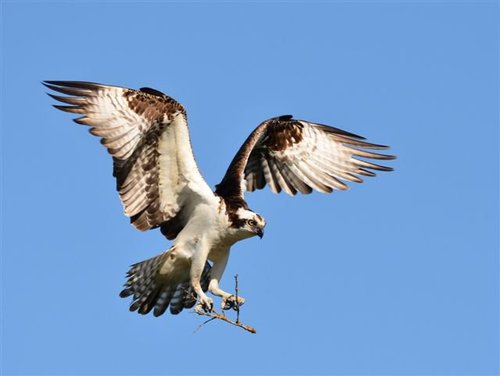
[214, 315]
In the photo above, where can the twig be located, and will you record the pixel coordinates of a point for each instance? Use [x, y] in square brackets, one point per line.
[213, 314]
[203, 323]
[237, 303]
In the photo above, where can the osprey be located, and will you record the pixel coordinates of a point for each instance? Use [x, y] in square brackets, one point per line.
[160, 186]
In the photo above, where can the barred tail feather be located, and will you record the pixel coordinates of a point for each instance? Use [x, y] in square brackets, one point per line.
[152, 290]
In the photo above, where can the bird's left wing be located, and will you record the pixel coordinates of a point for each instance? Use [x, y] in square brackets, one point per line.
[298, 156]
[146, 132]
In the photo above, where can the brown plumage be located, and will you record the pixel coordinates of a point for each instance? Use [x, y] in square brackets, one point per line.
[160, 185]
[298, 156]
[130, 124]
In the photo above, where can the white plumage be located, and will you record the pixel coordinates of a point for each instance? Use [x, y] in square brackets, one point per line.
[160, 185]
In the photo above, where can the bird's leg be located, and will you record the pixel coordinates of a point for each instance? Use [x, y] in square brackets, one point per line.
[228, 300]
[204, 302]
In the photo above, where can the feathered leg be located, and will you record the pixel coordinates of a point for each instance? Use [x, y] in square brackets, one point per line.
[218, 267]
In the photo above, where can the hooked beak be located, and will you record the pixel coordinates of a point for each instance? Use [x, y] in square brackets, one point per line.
[259, 232]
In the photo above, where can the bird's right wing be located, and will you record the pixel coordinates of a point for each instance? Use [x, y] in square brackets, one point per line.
[146, 132]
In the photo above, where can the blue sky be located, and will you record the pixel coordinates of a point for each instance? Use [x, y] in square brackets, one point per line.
[399, 275]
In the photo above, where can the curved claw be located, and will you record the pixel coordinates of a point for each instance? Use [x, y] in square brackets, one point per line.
[227, 304]
[230, 303]
[204, 305]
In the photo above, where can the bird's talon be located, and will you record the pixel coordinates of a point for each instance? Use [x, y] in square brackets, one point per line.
[227, 305]
[204, 306]
[230, 303]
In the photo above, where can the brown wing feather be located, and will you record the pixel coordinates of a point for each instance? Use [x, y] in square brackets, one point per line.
[299, 156]
[139, 128]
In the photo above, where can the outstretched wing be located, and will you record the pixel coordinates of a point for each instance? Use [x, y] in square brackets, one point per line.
[146, 132]
[299, 156]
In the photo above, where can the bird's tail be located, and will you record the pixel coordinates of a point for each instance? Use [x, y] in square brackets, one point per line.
[159, 282]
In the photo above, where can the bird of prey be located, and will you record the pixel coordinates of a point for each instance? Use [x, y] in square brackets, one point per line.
[160, 186]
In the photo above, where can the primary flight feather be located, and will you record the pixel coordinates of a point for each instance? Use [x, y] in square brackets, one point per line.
[160, 186]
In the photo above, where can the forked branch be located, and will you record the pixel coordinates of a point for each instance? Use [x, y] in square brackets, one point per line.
[214, 315]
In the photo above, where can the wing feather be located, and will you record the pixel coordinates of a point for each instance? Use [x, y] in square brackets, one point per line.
[295, 181]
[269, 176]
[146, 133]
[284, 179]
[298, 156]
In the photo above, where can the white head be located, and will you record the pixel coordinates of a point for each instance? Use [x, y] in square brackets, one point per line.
[248, 223]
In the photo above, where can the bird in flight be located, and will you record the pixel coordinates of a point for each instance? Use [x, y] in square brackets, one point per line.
[160, 186]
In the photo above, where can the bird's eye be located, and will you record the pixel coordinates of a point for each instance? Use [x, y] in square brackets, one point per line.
[252, 222]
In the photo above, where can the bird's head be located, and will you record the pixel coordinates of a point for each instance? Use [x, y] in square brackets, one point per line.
[250, 223]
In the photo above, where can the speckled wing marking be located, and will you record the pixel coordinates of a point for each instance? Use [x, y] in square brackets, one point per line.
[299, 156]
[146, 133]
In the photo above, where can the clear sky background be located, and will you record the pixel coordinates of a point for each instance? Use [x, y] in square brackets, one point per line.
[395, 276]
